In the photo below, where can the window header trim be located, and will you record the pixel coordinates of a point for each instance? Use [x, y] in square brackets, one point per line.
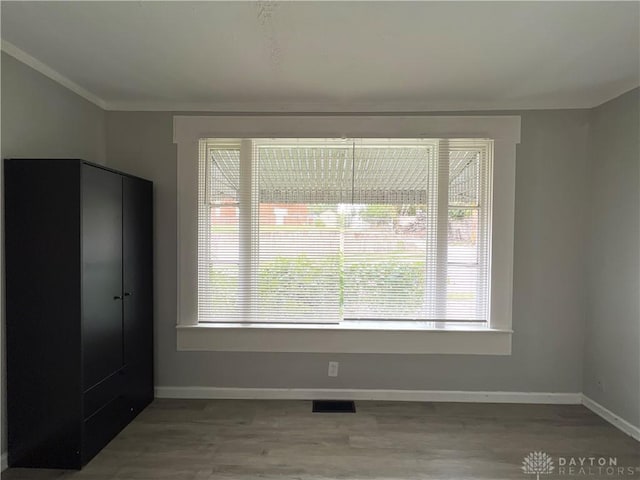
[187, 128]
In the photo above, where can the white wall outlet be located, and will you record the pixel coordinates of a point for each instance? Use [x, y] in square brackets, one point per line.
[600, 384]
[333, 369]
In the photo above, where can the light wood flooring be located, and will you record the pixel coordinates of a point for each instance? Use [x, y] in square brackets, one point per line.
[244, 439]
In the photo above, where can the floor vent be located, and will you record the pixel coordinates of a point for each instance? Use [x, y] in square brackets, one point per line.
[334, 406]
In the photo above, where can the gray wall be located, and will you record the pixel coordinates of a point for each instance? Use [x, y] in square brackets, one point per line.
[41, 118]
[612, 333]
[548, 313]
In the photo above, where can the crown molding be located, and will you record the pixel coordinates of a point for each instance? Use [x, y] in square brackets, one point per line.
[310, 107]
[337, 108]
[52, 74]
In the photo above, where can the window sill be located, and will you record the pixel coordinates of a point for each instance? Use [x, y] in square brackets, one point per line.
[347, 337]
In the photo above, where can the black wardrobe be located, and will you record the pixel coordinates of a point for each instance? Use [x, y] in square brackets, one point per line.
[79, 308]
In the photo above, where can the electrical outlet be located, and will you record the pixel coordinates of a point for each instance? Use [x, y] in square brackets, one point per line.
[600, 385]
[333, 369]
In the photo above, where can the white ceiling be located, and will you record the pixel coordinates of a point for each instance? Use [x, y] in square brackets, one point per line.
[332, 56]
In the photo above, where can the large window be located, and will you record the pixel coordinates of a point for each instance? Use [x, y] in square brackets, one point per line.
[332, 230]
[395, 235]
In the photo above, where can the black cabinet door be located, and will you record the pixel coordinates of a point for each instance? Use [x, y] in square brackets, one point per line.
[102, 328]
[138, 290]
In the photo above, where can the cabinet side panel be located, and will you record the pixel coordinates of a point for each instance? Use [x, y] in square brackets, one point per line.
[42, 249]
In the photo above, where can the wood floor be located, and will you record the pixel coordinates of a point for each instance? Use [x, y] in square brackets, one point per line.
[232, 439]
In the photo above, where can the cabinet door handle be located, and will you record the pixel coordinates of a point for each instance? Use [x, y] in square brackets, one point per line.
[127, 294]
[117, 297]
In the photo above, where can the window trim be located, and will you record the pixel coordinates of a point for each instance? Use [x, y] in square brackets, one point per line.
[496, 339]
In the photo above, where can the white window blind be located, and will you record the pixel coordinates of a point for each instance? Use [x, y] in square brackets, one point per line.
[319, 231]
[386, 231]
[300, 188]
[219, 289]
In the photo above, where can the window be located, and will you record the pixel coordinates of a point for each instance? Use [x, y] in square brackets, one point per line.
[400, 240]
[332, 230]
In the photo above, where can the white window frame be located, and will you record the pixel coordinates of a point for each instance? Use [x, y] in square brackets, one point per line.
[380, 337]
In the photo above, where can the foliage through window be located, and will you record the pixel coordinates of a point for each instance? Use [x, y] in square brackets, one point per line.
[326, 230]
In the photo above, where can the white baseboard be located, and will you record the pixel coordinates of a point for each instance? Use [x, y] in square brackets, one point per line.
[4, 462]
[611, 417]
[363, 394]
